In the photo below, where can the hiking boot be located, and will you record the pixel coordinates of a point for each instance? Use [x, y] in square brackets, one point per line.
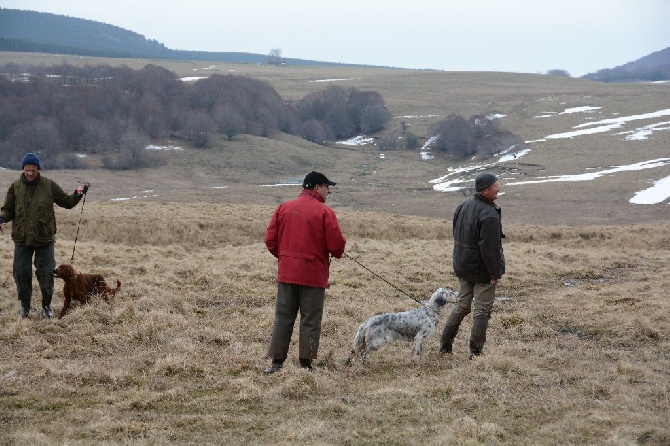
[274, 367]
[306, 364]
[478, 336]
[450, 330]
[47, 313]
[25, 312]
[446, 349]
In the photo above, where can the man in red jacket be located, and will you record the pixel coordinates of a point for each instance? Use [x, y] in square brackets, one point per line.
[303, 233]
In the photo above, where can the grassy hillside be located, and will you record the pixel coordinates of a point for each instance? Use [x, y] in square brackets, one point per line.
[578, 350]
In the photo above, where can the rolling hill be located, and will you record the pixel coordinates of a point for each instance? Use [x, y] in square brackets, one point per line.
[574, 126]
[31, 31]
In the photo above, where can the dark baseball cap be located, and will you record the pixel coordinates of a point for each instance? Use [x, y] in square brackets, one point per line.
[314, 179]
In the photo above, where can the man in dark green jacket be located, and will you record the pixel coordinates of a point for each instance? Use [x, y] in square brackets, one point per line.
[29, 205]
[478, 262]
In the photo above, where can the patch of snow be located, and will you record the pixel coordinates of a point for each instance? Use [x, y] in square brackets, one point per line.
[153, 147]
[584, 109]
[192, 78]
[658, 193]
[334, 80]
[597, 174]
[416, 116]
[644, 132]
[360, 140]
[513, 156]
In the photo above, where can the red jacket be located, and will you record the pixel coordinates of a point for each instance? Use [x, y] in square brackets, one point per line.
[302, 234]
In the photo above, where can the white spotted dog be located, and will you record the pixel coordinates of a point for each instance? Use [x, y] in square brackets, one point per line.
[413, 326]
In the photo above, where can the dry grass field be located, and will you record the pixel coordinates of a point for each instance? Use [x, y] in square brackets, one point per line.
[577, 353]
[578, 349]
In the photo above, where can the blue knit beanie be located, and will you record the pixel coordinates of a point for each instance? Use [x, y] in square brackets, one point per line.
[31, 159]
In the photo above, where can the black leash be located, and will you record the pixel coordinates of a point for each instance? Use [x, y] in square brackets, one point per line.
[79, 225]
[381, 278]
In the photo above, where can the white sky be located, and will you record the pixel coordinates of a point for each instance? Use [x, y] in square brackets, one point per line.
[529, 36]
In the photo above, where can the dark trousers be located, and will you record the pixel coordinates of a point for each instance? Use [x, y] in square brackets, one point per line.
[44, 265]
[292, 299]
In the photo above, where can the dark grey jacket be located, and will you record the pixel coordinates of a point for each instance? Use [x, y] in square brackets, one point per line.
[478, 252]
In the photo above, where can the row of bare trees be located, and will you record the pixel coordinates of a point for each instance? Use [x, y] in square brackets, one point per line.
[64, 109]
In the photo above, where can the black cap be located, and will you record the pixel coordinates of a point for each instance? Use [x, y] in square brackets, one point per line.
[484, 180]
[314, 179]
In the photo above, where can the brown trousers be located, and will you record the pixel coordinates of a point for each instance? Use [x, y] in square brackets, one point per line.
[292, 298]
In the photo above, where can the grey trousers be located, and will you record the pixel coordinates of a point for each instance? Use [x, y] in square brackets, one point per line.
[475, 297]
[292, 299]
[44, 266]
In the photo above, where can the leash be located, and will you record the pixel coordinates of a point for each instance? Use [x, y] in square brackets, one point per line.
[381, 278]
[79, 224]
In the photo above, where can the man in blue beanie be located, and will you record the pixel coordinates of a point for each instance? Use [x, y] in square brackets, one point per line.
[29, 204]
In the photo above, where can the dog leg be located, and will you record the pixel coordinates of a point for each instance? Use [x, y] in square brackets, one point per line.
[372, 346]
[66, 305]
[418, 348]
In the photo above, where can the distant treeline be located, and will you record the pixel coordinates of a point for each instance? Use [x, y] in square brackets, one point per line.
[117, 111]
[649, 74]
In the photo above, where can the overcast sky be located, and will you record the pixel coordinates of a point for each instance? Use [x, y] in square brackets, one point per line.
[525, 36]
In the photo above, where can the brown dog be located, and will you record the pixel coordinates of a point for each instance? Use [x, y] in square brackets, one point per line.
[81, 287]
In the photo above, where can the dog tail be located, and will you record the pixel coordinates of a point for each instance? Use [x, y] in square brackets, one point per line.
[118, 286]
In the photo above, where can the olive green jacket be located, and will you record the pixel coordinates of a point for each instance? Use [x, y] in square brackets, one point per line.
[30, 207]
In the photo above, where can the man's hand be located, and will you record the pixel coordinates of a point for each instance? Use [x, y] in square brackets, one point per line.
[81, 190]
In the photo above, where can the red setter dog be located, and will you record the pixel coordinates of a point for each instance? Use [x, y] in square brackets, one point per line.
[81, 287]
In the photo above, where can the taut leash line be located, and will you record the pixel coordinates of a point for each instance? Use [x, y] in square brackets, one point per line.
[382, 279]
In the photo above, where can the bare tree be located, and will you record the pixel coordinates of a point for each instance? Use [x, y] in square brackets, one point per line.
[454, 136]
[481, 127]
[133, 154]
[373, 118]
[228, 121]
[40, 135]
[10, 155]
[198, 128]
[266, 121]
[558, 72]
[315, 131]
[274, 57]
[411, 141]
